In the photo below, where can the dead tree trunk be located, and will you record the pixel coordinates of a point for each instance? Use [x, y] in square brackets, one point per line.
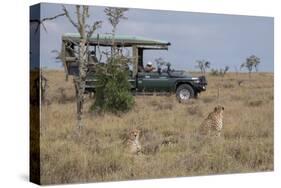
[79, 81]
[79, 91]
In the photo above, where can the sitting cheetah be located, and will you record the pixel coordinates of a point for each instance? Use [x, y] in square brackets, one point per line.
[213, 123]
[133, 143]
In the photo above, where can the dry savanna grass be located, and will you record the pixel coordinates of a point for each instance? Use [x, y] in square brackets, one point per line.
[170, 144]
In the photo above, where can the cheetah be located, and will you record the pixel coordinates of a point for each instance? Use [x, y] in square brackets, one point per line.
[133, 143]
[213, 123]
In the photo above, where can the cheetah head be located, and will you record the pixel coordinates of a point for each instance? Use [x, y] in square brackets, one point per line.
[219, 109]
[134, 134]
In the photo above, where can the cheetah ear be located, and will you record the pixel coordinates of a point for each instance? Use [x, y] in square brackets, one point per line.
[216, 108]
[222, 108]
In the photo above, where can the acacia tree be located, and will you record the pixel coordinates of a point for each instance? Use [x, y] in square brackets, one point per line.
[86, 31]
[203, 65]
[251, 63]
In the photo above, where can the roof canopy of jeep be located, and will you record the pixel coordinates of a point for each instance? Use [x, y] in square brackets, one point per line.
[119, 40]
[137, 43]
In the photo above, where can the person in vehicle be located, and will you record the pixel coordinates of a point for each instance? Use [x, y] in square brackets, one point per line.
[93, 57]
[149, 67]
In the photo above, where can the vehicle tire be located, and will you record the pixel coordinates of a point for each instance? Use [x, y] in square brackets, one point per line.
[184, 92]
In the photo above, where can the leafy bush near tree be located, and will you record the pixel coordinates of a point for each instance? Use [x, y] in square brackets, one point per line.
[113, 88]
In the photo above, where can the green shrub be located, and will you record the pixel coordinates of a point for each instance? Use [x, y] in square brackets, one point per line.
[113, 88]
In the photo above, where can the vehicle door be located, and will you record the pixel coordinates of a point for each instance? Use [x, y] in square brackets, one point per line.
[153, 81]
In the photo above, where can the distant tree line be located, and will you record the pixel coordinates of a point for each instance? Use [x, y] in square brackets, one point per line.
[250, 64]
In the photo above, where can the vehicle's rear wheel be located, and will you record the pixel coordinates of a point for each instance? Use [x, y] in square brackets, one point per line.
[184, 93]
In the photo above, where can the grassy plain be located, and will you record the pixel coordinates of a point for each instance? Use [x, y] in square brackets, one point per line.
[171, 146]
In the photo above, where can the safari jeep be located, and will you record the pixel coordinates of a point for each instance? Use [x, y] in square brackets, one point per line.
[184, 85]
[162, 80]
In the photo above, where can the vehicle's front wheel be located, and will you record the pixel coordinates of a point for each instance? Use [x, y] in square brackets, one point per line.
[184, 92]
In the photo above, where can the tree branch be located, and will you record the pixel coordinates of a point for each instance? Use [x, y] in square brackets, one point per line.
[94, 27]
[41, 22]
[85, 13]
[80, 20]
[68, 17]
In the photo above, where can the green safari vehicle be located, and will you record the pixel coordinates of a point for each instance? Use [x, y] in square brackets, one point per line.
[163, 80]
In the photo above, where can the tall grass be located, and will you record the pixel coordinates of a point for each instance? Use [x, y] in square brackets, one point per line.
[171, 146]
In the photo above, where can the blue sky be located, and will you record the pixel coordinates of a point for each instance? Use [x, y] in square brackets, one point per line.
[221, 39]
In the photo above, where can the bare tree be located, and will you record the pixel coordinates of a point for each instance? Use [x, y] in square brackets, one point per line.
[251, 62]
[85, 31]
[203, 65]
[115, 15]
